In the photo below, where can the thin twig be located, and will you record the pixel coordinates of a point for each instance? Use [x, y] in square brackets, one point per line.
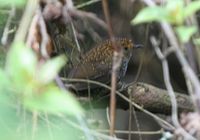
[75, 37]
[6, 31]
[117, 58]
[123, 97]
[169, 89]
[44, 36]
[32, 29]
[60, 83]
[133, 132]
[189, 73]
[87, 3]
[26, 20]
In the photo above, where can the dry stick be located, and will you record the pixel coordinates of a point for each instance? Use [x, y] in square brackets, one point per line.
[32, 28]
[189, 73]
[158, 132]
[38, 19]
[44, 36]
[131, 108]
[117, 58]
[123, 97]
[87, 3]
[167, 81]
[75, 37]
[4, 38]
[26, 20]
[169, 89]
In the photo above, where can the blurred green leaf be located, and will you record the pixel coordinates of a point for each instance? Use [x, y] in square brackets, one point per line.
[54, 100]
[4, 81]
[174, 12]
[50, 69]
[21, 65]
[185, 33]
[175, 9]
[191, 8]
[18, 3]
[196, 41]
[150, 14]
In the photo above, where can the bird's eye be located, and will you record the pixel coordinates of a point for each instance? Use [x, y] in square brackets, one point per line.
[125, 48]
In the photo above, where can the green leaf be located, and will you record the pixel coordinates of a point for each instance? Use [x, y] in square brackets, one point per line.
[18, 3]
[21, 64]
[173, 13]
[197, 41]
[185, 33]
[191, 8]
[53, 100]
[150, 14]
[50, 69]
[175, 10]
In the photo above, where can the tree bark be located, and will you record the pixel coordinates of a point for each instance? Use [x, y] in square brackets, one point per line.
[157, 100]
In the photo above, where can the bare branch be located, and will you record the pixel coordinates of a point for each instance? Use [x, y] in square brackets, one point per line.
[189, 73]
[26, 20]
[158, 100]
[6, 31]
[124, 98]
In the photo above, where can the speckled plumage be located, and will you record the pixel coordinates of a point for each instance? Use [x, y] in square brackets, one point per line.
[96, 64]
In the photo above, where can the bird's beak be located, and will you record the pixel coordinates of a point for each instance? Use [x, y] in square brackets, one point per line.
[138, 46]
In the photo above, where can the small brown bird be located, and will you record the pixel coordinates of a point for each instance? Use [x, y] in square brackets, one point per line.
[96, 64]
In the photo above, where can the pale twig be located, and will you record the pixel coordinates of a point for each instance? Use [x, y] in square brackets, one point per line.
[38, 21]
[87, 3]
[132, 132]
[33, 26]
[188, 72]
[117, 59]
[123, 97]
[75, 36]
[44, 36]
[167, 81]
[169, 88]
[6, 31]
[26, 20]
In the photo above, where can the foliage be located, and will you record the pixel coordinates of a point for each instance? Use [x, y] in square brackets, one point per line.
[174, 12]
[27, 87]
[33, 82]
[30, 83]
[17, 3]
